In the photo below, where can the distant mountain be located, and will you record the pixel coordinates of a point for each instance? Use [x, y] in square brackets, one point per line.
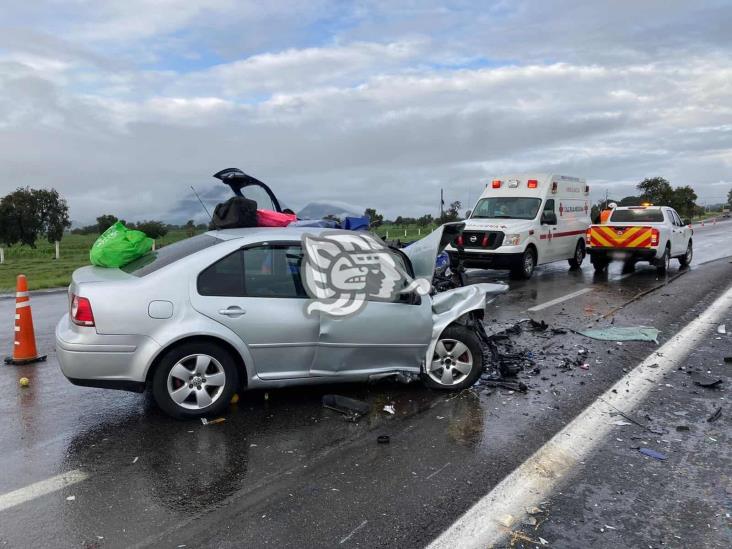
[319, 210]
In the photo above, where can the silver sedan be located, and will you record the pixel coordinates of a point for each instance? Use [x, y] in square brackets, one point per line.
[229, 310]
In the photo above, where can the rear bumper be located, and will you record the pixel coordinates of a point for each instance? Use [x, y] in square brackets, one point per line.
[487, 260]
[623, 254]
[109, 361]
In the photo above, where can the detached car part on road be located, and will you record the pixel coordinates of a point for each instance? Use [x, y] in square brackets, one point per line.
[641, 233]
[208, 316]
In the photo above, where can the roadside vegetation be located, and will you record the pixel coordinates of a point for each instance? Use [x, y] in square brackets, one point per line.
[33, 221]
[44, 271]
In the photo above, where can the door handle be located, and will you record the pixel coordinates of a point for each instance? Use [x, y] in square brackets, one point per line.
[232, 311]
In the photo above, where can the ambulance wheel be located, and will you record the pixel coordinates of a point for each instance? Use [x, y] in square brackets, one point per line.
[524, 268]
[663, 262]
[685, 259]
[579, 256]
[600, 263]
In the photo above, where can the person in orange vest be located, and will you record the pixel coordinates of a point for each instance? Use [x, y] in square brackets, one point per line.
[605, 214]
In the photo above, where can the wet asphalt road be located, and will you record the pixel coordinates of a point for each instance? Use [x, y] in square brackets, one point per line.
[282, 471]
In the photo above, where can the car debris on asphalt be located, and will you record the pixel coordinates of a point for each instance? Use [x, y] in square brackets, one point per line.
[653, 454]
[715, 415]
[618, 333]
[216, 421]
[350, 407]
[705, 381]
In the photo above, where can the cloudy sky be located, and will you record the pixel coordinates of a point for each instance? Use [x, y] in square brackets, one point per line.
[121, 106]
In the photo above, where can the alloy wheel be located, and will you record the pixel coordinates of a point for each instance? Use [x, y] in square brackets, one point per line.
[196, 381]
[451, 363]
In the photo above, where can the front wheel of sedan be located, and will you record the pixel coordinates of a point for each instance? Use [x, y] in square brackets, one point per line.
[195, 380]
[457, 361]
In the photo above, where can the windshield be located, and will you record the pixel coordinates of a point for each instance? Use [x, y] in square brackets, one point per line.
[640, 215]
[506, 208]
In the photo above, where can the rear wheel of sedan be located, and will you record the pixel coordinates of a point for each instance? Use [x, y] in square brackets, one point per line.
[457, 361]
[194, 380]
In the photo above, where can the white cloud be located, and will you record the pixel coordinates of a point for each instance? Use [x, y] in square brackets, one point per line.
[374, 116]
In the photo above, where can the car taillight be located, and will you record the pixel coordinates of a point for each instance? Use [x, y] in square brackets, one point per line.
[459, 241]
[81, 311]
[654, 237]
[588, 236]
[496, 184]
[533, 183]
[484, 242]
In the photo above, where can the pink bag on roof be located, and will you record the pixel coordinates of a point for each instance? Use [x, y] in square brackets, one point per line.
[270, 218]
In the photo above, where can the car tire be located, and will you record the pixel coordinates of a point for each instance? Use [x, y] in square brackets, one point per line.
[212, 377]
[685, 259]
[663, 262]
[526, 265]
[579, 256]
[600, 263]
[449, 370]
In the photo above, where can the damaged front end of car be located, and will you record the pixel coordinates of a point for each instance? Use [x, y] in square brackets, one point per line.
[460, 308]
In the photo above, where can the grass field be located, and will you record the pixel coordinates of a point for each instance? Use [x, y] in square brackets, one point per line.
[43, 271]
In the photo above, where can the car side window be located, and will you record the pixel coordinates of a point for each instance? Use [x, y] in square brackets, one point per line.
[258, 271]
[675, 219]
[549, 206]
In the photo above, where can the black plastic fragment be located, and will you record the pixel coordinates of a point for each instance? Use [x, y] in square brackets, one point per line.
[383, 439]
[345, 405]
[716, 415]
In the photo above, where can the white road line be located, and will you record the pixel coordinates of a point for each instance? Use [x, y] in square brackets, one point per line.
[535, 479]
[356, 529]
[559, 300]
[438, 470]
[41, 488]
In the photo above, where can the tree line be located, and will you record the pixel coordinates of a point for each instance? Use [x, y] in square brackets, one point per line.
[451, 214]
[659, 192]
[27, 214]
[152, 228]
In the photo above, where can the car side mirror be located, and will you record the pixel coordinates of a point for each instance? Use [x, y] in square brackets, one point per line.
[548, 218]
[468, 214]
[687, 221]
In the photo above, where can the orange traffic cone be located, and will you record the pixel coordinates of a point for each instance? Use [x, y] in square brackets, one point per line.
[24, 346]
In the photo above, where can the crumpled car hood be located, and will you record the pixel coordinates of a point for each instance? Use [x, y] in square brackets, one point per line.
[423, 253]
[451, 305]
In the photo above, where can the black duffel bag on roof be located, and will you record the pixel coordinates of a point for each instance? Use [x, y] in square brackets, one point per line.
[237, 212]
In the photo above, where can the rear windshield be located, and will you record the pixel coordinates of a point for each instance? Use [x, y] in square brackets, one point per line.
[506, 208]
[641, 215]
[151, 262]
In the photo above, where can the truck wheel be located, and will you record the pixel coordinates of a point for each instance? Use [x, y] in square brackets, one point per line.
[194, 380]
[579, 256]
[457, 361]
[663, 262]
[685, 259]
[599, 262]
[525, 266]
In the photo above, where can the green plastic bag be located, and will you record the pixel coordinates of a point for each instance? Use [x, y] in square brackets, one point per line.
[118, 246]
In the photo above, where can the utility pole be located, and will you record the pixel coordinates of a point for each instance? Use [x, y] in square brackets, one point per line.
[442, 205]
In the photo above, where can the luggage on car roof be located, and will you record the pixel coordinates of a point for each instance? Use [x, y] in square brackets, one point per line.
[237, 212]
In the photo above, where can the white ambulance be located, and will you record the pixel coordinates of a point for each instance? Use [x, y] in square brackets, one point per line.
[521, 221]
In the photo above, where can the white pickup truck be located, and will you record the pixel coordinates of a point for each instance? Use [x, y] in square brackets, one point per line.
[641, 233]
